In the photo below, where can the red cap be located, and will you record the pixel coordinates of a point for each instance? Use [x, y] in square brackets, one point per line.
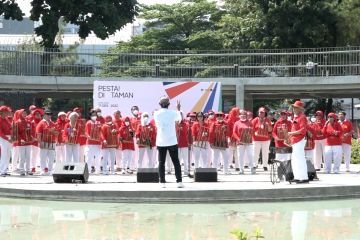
[262, 109]
[32, 107]
[4, 109]
[283, 112]
[332, 115]
[77, 109]
[319, 113]
[298, 104]
[108, 117]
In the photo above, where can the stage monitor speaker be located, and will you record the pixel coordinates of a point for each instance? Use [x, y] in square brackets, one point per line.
[147, 175]
[205, 175]
[71, 173]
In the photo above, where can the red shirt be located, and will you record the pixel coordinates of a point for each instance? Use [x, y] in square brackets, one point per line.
[299, 124]
[200, 132]
[262, 129]
[146, 135]
[109, 133]
[60, 128]
[71, 134]
[243, 131]
[93, 132]
[127, 138]
[318, 126]
[47, 131]
[333, 133]
[219, 134]
[310, 137]
[280, 128]
[347, 127]
[182, 132]
[25, 132]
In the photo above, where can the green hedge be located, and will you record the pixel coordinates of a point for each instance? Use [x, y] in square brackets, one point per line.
[355, 152]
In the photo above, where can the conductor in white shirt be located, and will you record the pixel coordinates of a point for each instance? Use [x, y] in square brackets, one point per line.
[166, 139]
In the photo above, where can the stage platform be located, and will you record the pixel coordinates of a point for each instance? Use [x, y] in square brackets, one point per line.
[229, 188]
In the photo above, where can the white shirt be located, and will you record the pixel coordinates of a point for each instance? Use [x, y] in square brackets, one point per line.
[165, 125]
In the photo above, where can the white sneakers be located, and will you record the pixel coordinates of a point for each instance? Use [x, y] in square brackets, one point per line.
[179, 185]
[162, 185]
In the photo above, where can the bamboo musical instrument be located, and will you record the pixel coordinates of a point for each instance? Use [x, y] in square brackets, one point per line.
[263, 129]
[14, 132]
[144, 139]
[246, 136]
[72, 135]
[202, 138]
[95, 131]
[220, 138]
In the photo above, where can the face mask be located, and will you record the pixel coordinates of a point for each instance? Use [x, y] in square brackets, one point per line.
[313, 119]
[289, 118]
[93, 118]
[211, 116]
[146, 118]
[109, 122]
[135, 112]
[127, 123]
[98, 114]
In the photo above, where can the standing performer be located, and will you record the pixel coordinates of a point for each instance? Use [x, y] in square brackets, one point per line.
[93, 143]
[297, 137]
[348, 131]
[233, 117]
[242, 132]
[310, 142]
[15, 155]
[219, 137]
[71, 136]
[109, 138]
[280, 134]
[166, 139]
[37, 115]
[5, 140]
[261, 137]
[319, 151]
[126, 135]
[118, 123]
[182, 134]
[82, 138]
[60, 148]
[46, 134]
[333, 145]
[200, 133]
[145, 139]
[135, 122]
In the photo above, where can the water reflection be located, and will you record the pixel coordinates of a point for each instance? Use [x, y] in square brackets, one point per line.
[27, 219]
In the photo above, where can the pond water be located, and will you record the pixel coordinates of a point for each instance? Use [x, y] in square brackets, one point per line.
[36, 219]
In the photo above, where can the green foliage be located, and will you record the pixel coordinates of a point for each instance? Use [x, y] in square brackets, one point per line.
[10, 10]
[240, 235]
[355, 151]
[349, 22]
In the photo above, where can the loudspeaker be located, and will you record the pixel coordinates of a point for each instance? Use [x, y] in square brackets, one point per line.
[71, 173]
[147, 175]
[205, 174]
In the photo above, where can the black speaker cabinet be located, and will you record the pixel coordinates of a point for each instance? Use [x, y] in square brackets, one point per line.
[71, 173]
[205, 175]
[147, 175]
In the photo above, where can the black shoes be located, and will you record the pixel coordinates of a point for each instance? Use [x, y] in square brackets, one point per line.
[302, 181]
[265, 169]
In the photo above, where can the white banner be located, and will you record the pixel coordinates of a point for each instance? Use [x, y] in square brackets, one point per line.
[118, 95]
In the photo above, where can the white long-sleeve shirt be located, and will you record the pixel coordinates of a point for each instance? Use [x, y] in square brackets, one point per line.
[165, 120]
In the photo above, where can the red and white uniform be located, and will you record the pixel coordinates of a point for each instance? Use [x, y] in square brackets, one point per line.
[82, 139]
[25, 132]
[200, 133]
[35, 118]
[310, 142]
[5, 138]
[93, 144]
[15, 155]
[118, 123]
[232, 118]
[219, 136]
[60, 146]
[126, 135]
[242, 133]
[319, 150]
[146, 138]
[109, 144]
[333, 146]
[72, 144]
[280, 129]
[348, 130]
[47, 134]
[182, 132]
[261, 138]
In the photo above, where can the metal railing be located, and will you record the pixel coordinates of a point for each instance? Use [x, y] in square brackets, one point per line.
[179, 64]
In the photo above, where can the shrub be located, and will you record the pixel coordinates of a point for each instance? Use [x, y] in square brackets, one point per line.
[355, 152]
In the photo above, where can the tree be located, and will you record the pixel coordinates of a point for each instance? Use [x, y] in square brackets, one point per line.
[349, 22]
[11, 10]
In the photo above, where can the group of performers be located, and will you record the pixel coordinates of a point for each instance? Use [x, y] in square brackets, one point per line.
[35, 143]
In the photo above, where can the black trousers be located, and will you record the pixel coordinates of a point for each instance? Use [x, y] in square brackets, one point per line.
[173, 151]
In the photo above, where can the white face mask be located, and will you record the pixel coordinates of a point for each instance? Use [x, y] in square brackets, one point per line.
[98, 114]
[127, 123]
[313, 119]
[93, 118]
[135, 112]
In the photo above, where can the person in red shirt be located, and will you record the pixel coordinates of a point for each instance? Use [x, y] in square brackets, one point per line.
[5, 140]
[348, 131]
[46, 132]
[261, 137]
[297, 137]
[319, 150]
[93, 143]
[118, 123]
[279, 133]
[110, 141]
[211, 117]
[25, 135]
[126, 135]
[333, 146]
[200, 133]
[219, 136]
[310, 141]
[37, 115]
[233, 117]
[182, 133]
[242, 133]
[59, 148]
[71, 137]
[82, 137]
[15, 155]
[145, 139]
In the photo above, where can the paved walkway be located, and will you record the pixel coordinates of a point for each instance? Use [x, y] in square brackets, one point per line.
[229, 188]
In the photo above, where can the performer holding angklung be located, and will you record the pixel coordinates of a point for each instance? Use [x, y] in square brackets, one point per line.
[60, 146]
[71, 136]
[233, 117]
[242, 132]
[319, 150]
[182, 131]
[126, 136]
[93, 143]
[261, 137]
[348, 131]
[35, 117]
[310, 142]
[200, 133]
[219, 136]
[82, 138]
[333, 145]
[282, 140]
[24, 135]
[145, 139]
[118, 123]
[109, 140]
[47, 133]
[298, 141]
